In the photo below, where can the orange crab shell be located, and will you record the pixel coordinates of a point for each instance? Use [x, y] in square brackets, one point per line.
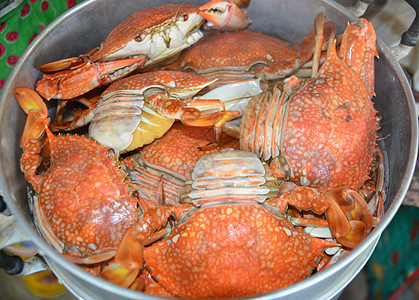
[144, 20]
[235, 250]
[333, 120]
[85, 195]
[181, 147]
[326, 130]
[239, 52]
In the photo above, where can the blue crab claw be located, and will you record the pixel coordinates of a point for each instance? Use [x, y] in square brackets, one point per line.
[79, 80]
[224, 15]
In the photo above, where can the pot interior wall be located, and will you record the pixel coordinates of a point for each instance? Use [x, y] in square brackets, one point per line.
[87, 25]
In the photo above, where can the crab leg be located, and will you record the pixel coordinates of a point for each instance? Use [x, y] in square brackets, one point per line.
[208, 118]
[66, 63]
[376, 203]
[318, 42]
[77, 81]
[314, 45]
[61, 64]
[77, 120]
[217, 119]
[196, 112]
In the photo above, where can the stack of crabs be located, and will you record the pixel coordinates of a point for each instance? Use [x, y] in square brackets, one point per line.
[211, 161]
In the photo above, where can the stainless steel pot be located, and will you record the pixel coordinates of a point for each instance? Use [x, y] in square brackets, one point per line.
[88, 24]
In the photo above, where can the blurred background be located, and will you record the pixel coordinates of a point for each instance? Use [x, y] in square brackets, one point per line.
[391, 273]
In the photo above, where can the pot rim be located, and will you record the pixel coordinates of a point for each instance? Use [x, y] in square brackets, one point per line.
[46, 250]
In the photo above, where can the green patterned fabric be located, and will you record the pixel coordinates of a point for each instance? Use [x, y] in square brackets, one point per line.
[20, 22]
[396, 256]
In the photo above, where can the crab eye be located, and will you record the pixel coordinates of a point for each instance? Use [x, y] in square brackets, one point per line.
[139, 38]
[184, 17]
[110, 152]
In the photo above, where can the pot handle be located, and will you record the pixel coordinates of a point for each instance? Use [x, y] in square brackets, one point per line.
[360, 7]
[409, 38]
[10, 234]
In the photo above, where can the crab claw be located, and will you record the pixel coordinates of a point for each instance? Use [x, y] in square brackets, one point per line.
[242, 3]
[128, 261]
[37, 112]
[358, 48]
[223, 15]
[358, 217]
[36, 124]
[79, 80]
[29, 100]
[349, 217]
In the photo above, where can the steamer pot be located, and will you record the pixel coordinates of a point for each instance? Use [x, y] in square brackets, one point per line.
[88, 24]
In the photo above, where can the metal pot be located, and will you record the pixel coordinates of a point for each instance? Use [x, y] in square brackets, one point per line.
[88, 24]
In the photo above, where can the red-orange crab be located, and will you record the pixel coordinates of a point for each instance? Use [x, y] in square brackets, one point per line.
[137, 109]
[226, 242]
[238, 55]
[218, 55]
[84, 201]
[321, 133]
[171, 159]
[145, 38]
[181, 147]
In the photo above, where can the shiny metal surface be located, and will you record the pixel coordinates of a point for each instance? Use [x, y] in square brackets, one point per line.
[86, 25]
